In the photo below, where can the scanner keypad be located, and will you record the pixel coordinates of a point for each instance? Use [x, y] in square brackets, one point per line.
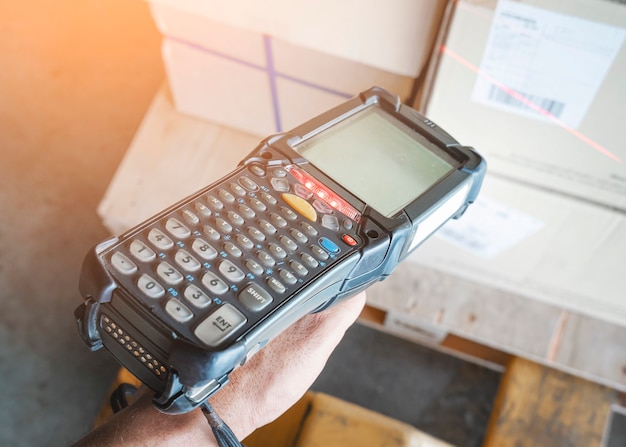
[231, 253]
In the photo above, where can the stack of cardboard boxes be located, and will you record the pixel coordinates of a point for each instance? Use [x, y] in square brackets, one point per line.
[539, 88]
[263, 67]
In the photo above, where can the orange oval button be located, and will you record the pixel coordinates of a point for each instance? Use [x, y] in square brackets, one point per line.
[349, 240]
[301, 206]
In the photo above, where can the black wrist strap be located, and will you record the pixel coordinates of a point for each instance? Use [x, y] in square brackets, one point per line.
[222, 432]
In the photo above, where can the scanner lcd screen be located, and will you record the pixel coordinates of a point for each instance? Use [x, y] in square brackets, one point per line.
[378, 159]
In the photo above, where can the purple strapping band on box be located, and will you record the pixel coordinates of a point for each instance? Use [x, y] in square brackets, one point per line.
[269, 68]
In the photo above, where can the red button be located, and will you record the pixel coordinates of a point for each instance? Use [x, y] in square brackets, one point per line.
[349, 240]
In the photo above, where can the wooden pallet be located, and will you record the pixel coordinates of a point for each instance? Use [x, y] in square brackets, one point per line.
[539, 406]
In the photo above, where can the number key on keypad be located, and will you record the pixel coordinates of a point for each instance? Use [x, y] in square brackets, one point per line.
[169, 274]
[196, 296]
[141, 251]
[159, 239]
[186, 261]
[214, 283]
[230, 271]
[150, 287]
[176, 228]
[203, 249]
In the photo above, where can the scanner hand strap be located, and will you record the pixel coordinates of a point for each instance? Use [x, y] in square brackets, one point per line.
[222, 432]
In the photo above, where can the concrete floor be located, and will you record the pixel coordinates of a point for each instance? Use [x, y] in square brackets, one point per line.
[76, 79]
[440, 395]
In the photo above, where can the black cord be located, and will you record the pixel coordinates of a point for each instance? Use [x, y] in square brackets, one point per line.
[222, 432]
[121, 394]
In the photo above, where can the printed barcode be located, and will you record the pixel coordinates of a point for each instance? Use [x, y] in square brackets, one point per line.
[526, 101]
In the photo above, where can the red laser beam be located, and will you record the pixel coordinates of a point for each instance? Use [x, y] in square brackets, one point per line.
[521, 98]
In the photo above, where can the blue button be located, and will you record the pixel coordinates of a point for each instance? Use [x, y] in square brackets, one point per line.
[329, 245]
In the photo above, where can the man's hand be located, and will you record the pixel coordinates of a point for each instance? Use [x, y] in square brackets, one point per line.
[258, 392]
[278, 375]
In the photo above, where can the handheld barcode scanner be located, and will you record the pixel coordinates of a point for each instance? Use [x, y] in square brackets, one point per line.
[310, 217]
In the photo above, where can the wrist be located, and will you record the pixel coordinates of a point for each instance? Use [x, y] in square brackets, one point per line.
[180, 429]
[141, 424]
[232, 405]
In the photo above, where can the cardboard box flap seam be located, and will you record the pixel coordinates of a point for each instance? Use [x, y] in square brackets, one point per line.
[330, 26]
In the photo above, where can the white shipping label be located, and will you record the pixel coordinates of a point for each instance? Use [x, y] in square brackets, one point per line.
[489, 228]
[544, 65]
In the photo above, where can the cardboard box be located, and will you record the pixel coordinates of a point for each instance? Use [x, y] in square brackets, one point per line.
[538, 87]
[318, 419]
[170, 157]
[565, 252]
[550, 221]
[267, 67]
